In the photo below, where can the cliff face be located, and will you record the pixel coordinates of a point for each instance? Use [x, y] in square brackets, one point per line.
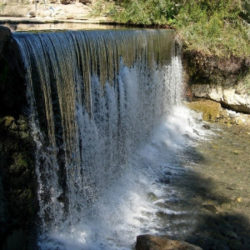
[17, 172]
[225, 80]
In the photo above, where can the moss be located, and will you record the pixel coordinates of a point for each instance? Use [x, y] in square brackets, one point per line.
[7, 121]
[20, 163]
[16, 169]
[211, 111]
[18, 175]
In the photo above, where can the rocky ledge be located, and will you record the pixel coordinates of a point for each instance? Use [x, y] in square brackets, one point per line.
[229, 97]
[213, 112]
[151, 242]
[224, 80]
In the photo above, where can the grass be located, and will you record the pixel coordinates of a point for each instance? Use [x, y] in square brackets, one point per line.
[214, 27]
[246, 83]
[218, 30]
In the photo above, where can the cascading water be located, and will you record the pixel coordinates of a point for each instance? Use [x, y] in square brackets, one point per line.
[95, 99]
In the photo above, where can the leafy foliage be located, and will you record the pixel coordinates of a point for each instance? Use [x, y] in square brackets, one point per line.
[211, 26]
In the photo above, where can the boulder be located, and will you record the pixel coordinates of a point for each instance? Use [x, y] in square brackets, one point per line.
[150, 242]
[5, 35]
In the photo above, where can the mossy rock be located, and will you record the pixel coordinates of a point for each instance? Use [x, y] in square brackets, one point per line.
[211, 111]
[19, 159]
[16, 169]
[7, 121]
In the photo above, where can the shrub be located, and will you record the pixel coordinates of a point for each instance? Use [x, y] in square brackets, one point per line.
[213, 26]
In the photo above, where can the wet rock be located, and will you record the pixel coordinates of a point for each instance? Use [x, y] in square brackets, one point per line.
[18, 182]
[7, 121]
[150, 242]
[211, 111]
[152, 196]
[209, 207]
[206, 126]
[5, 35]
[165, 180]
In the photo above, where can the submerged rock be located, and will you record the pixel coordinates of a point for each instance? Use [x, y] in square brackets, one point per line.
[150, 242]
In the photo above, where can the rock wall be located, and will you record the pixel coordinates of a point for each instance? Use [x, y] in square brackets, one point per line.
[225, 80]
[17, 172]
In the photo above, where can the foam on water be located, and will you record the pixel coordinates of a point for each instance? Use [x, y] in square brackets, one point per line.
[127, 209]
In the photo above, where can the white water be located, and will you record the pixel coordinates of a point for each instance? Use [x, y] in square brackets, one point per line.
[102, 146]
[127, 209]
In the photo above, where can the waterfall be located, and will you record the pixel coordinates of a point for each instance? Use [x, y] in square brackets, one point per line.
[94, 98]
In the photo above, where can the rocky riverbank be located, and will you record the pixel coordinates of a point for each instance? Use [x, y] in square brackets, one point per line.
[224, 80]
[221, 188]
[215, 192]
[213, 111]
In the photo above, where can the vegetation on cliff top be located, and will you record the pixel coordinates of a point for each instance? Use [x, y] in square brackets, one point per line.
[213, 27]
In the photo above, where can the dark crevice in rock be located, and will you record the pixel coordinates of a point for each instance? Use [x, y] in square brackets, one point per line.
[17, 172]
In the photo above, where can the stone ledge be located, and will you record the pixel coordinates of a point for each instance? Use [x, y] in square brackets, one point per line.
[228, 97]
